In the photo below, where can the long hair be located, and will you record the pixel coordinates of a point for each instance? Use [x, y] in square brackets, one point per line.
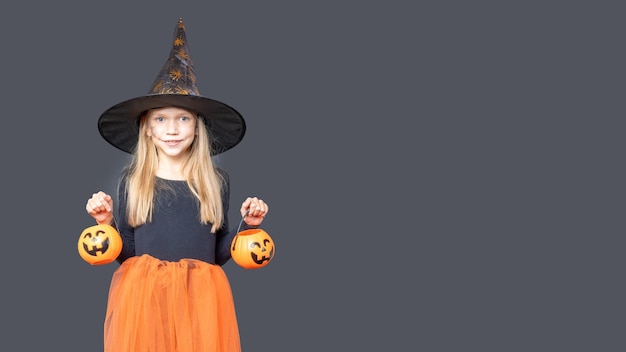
[202, 178]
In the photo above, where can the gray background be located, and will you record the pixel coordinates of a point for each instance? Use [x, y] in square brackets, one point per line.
[442, 176]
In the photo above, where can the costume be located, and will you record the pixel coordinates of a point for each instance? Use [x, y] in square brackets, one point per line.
[170, 292]
[168, 274]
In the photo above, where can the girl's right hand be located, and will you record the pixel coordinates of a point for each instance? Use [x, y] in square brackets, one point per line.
[100, 207]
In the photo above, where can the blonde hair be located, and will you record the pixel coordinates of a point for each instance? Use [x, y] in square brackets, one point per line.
[202, 178]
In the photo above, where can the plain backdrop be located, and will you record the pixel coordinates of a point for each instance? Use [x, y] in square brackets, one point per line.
[442, 175]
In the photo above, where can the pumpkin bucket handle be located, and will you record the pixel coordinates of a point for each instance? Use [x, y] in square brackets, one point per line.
[241, 221]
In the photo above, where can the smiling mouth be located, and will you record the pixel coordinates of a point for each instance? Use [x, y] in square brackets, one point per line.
[171, 142]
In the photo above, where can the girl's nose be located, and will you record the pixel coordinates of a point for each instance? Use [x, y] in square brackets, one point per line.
[172, 128]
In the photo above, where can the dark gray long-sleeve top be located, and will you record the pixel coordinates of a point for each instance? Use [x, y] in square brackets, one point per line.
[175, 231]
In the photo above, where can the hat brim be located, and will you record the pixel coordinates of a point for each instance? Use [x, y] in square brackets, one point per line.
[119, 125]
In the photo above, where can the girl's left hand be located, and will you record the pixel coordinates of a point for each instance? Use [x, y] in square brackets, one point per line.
[257, 210]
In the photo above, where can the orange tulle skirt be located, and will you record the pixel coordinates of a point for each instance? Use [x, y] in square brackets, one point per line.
[160, 306]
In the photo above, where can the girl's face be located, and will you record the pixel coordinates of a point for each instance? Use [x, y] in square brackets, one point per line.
[171, 129]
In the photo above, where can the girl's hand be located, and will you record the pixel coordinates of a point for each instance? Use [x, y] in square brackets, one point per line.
[100, 207]
[256, 209]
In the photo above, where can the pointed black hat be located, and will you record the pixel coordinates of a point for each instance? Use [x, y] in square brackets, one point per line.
[175, 85]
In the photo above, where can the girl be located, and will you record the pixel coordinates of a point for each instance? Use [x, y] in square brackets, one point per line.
[170, 292]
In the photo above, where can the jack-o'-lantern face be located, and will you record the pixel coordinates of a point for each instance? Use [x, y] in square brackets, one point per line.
[99, 244]
[252, 248]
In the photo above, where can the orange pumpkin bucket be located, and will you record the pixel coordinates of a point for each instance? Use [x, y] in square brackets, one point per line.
[252, 248]
[99, 244]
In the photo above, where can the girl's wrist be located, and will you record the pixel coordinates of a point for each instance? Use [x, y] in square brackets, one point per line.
[106, 222]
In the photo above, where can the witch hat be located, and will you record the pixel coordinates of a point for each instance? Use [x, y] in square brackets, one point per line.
[175, 85]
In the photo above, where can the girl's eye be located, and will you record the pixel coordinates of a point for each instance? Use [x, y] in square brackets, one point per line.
[158, 118]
